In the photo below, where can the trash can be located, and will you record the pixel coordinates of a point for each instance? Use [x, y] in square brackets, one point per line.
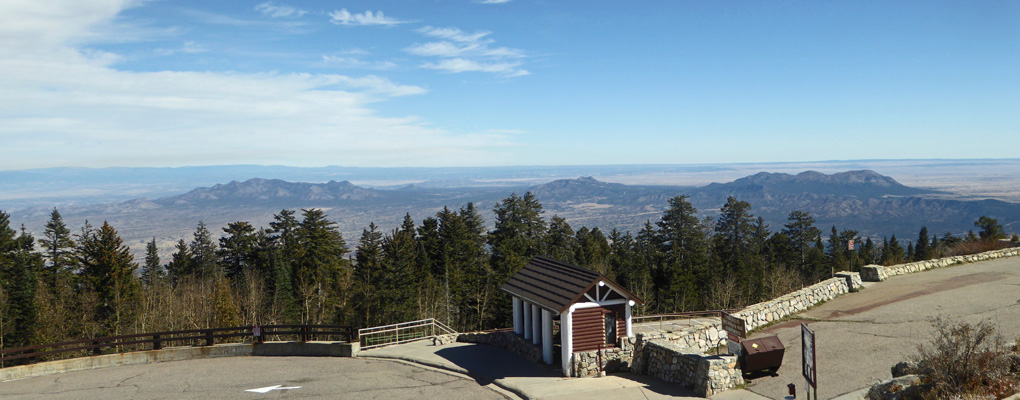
[762, 353]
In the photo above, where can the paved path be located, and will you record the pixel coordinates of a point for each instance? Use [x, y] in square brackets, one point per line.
[860, 336]
[231, 377]
[489, 364]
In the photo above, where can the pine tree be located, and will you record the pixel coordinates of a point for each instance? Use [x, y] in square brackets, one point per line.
[559, 243]
[108, 269]
[593, 251]
[58, 248]
[320, 274]
[369, 280]
[180, 263]
[801, 233]
[731, 243]
[515, 240]
[203, 254]
[19, 271]
[237, 252]
[923, 249]
[685, 250]
[401, 272]
[152, 271]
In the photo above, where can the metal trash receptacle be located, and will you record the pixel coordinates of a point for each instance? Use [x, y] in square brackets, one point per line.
[762, 353]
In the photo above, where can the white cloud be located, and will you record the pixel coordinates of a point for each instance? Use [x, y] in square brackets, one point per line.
[352, 62]
[455, 65]
[344, 17]
[274, 11]
[463, 52]
[493, 1]
[62, 104]
[188, 47]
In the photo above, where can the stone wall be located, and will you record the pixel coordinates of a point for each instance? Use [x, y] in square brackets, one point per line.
[507, 340]
[616, 359]
[706, 375]
[767, 311]
[878, 273]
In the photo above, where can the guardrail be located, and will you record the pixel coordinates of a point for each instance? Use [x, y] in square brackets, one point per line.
[403, 332]
[158, 340]
[645, 319]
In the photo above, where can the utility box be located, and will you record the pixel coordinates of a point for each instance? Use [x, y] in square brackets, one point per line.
[762, 353]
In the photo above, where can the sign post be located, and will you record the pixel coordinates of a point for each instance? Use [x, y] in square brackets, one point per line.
[807, 340]
[735, 330]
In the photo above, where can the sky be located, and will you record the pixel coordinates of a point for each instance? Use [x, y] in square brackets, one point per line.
[102, 83]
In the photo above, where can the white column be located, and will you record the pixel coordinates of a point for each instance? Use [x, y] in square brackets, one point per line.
[547, 337]
[527, 319]
[630, 330]
[536, 324]
[567, 341]
[518, 316]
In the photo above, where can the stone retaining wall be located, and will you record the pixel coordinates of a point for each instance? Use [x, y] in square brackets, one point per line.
[706, 375]
[878, 273]
[616, 359]
[507, 340]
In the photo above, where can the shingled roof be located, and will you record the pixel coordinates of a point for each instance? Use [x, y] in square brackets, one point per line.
[555, 285]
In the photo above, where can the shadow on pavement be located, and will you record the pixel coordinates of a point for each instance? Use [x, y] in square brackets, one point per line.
[488, 363]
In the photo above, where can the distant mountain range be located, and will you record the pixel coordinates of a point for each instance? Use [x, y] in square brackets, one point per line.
[863, 200]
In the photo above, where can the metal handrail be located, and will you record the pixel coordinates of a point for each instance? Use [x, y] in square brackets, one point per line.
[399, 333]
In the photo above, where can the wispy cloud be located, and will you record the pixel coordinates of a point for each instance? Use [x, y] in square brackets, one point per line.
[188, 47]
[279, 11]
[344, 17]
[492, 1]
[455, 65]
[466, 52]
[73, 105]
[353, 62]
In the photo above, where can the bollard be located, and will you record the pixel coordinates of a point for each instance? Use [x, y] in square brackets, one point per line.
[793, 390]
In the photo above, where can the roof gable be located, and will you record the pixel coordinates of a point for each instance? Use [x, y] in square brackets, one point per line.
[555, 285]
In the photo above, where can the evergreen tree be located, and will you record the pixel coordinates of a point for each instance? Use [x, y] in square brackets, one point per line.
[203, 254]
[180, 263]
[560, 243]
[19, 272]
[732, 245]
[515, 240]
[801, 233]
[923, 250]
[320, 274]
[869, 255]
[990, 228]
[108, 270]
[58, 246]
[152, 271]
[237, 253]
[402, 276]
[685, 251]
[593, 251]
[369, 281]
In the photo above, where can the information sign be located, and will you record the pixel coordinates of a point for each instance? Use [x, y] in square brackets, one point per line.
[807, 340]
[734, 327]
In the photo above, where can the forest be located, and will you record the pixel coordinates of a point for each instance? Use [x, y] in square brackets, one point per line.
[300, 269]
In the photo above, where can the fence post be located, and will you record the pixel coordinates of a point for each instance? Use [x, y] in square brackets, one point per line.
[157, 344]
[304, 333]
[208, 337]
[96, 350]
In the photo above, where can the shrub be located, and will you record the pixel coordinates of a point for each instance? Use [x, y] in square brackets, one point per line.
[964, 359]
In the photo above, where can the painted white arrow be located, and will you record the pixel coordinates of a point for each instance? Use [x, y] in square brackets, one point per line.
[267, 389]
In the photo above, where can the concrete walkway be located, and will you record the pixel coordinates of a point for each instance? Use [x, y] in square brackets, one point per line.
[493, 365]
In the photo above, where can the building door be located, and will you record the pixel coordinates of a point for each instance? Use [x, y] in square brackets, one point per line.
[610, 329]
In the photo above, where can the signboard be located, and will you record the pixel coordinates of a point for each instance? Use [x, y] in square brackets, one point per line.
[850, 245]
[734, 327]
[807, 340]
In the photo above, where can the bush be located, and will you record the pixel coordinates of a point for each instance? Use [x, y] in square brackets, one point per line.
[965, 359]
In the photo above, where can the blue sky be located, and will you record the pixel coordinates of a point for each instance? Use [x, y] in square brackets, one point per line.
[100, 83]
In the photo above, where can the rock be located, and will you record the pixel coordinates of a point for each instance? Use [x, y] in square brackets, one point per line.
[903, 368]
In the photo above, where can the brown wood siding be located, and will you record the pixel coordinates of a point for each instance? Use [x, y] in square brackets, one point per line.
[621, 319]
[589, 329]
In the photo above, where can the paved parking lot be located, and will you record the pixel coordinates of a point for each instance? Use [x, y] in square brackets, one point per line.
[860, 336]
[253, 378]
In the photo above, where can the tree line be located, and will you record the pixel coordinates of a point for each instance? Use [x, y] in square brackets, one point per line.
[300, 269]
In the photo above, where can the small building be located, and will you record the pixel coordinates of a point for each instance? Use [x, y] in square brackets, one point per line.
[592, 311]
